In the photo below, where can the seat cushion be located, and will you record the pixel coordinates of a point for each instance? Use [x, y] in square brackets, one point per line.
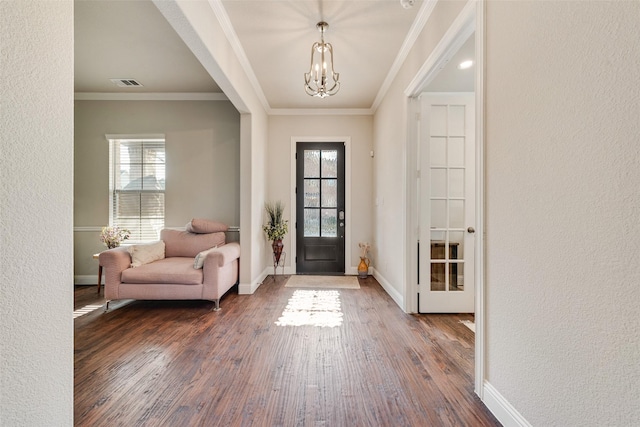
[176, 270]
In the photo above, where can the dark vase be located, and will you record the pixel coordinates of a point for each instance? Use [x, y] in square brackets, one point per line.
[277, 250]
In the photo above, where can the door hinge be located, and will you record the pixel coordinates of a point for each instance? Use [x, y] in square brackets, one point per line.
[296, 191]
[296, 260]
[296, 156]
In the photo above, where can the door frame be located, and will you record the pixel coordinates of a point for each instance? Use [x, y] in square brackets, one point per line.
[471, 19]
[346, 140]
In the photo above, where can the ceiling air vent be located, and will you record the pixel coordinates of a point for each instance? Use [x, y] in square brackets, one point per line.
[126, 82]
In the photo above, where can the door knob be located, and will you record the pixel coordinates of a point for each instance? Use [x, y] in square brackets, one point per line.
[471, 230]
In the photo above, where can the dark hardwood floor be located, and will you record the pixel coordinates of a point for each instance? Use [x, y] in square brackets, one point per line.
[177, 363]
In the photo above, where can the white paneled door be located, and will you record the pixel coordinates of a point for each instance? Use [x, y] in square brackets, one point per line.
[446, 203]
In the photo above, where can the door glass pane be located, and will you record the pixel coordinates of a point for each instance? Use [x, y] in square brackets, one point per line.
[456, 120]
[456, 182]
[438, 183]
[456, 243]
[329, 163]
[438, 214]
[329, 193]
[438, 276]
[311, 223]
[456, 279]
[438, 120]
[329, 222]
[311, 193]
[456, 152]
[437, 249]
[311, 163]
[438, 151]
[438, 235]
[456, 213]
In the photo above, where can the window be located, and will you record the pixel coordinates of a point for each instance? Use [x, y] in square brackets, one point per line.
[137, 185]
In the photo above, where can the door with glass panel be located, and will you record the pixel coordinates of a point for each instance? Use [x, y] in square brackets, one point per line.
[447, 203]
[320, 212]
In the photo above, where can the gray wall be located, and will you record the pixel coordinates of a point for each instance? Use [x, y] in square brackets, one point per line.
[36, 211]
[203, 159]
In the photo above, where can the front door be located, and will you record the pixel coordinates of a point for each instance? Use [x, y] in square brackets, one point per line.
[447, 206]
[320, 214]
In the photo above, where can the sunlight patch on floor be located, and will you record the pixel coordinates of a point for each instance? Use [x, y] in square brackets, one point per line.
[85, 310]
[312, 308]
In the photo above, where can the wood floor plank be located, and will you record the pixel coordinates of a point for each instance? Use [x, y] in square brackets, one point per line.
[177, 363]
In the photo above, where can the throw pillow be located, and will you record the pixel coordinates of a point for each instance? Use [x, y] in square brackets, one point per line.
[203, 226]
[199, 260]
[144, 254]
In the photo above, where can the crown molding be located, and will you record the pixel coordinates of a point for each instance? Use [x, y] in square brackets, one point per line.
[320, 112]
[232, 37]
[150, 96]
[416, 28]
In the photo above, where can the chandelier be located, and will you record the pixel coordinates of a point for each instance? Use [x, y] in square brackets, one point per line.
[321, 80]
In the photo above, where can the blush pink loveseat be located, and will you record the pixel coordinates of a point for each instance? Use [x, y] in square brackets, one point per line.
[174, 277]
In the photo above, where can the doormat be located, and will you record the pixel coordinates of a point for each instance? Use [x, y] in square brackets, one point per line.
[469, 324]
[323, 282]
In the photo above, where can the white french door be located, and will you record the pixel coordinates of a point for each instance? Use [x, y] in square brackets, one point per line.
[446, 192]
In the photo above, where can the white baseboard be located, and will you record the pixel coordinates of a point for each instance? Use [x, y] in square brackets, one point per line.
[288, 270]
[393, 293]
[501, 408]
[250, 288]
[87, 279]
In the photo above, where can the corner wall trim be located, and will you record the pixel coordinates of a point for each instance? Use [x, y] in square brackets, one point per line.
[502, 409]
[250, 288]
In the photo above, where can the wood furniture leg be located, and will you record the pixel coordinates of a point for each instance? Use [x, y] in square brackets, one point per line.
[99, 277]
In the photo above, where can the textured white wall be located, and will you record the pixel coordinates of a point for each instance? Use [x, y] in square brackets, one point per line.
[36, 213]
[360, 129]
[563, 210]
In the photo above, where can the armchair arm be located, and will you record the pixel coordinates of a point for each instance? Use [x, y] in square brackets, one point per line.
[220, 271]
[114, 262]
[222, 256]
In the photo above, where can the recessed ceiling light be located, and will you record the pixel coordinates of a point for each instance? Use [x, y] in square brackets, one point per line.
[407, 4]
[465, 64]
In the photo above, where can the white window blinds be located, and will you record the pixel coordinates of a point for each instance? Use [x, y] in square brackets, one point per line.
[137, 185]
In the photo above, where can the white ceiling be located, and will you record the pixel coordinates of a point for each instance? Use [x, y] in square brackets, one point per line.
[451, 78]
[131, 39]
